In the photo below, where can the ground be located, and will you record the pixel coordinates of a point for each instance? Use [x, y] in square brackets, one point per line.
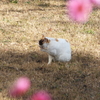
[22, 25]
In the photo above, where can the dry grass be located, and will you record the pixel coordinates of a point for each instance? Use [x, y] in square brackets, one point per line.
[21, 26]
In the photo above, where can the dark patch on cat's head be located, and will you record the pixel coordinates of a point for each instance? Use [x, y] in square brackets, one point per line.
[42, 41]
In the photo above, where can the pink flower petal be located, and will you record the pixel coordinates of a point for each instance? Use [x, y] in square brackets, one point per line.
[41, 95]
[79, 10]
[19, 87]
[95, 2]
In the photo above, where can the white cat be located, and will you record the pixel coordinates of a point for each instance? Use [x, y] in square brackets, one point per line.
[58, 49]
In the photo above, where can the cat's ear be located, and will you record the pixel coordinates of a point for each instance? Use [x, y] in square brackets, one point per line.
[43, 36]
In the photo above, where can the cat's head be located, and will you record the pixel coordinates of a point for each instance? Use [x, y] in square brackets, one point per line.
[43, 42]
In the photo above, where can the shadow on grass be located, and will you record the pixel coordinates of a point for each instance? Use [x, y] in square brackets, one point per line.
[22, 10]
[85, 59]
[62, 82]
[50, 5]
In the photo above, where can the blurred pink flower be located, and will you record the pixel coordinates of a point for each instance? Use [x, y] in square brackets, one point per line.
[41, 95]
[19, 87]
[95, 2]
[79, 10]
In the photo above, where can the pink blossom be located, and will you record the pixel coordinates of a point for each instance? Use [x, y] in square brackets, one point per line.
[41, 95]
[95, 2]
[79, 10]
[19, 87]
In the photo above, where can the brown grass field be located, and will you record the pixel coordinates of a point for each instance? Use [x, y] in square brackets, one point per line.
[21, 26]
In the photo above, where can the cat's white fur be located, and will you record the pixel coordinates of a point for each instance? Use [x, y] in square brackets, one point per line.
[57, 49]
